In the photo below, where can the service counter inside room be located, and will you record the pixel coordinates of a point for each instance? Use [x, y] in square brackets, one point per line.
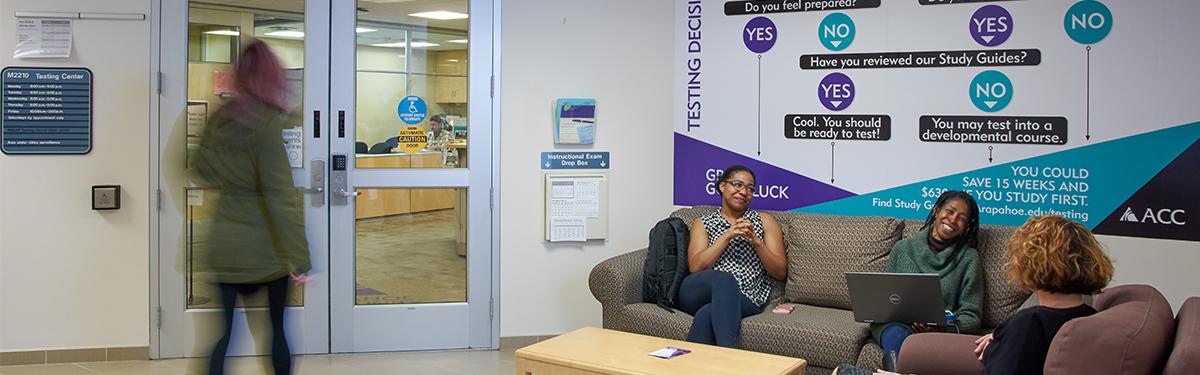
[386, 202]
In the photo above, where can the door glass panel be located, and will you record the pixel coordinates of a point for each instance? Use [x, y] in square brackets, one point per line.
[217, 32]
[402, 53]
[410, 244]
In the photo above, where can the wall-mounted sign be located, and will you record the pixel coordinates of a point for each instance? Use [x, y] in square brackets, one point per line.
[46, 111]
[575, 160]
[411, 139]
[412, 109]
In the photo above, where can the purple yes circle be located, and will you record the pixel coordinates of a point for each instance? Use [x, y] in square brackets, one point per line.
[991, 25]
[836, 91]
[760, 34]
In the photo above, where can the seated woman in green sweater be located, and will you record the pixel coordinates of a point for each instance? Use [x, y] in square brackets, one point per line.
[945, 246]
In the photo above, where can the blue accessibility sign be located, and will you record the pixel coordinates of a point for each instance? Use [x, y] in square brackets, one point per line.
[412, 110]
[575, 160]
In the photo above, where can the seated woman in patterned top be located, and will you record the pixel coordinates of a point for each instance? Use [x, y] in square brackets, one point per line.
[732, 257]
[945, 246]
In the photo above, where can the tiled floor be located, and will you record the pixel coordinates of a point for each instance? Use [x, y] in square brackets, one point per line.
[486, 362]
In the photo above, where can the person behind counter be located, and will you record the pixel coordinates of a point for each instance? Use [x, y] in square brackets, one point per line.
[438, 139]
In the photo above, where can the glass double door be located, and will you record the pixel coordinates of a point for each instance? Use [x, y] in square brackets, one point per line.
[390, 155]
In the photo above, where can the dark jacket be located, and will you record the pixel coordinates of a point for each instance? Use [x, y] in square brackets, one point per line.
[256, 233]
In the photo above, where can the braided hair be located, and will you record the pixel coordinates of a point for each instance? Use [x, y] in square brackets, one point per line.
[969, 237]
[733, 169]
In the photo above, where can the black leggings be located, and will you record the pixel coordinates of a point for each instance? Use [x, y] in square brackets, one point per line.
[277, 291]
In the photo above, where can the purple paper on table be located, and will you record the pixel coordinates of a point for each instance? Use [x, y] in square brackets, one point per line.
[669, 352]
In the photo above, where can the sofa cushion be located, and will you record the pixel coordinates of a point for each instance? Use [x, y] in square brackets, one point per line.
[649, 319]
[822, 248]
[1000, 299]
[690, 214]
[1185, 356]
[1131, 334]
[823, 336]
[871, 356]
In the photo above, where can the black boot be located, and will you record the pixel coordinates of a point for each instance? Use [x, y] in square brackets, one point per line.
[889, 361]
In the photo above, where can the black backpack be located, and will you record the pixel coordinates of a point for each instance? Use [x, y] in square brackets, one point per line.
[666, 263]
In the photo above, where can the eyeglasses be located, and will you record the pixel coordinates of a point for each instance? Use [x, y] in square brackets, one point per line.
[738, 185]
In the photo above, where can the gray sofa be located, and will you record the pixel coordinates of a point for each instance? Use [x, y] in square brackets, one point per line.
[820, 248]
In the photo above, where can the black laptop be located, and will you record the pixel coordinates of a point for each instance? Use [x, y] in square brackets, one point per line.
[879, 297]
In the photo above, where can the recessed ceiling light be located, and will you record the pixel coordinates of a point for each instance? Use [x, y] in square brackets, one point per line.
[401, 45]
[459, 41]
[440, 15]
[223, 32]
[390, 45]
[361, 30]
[286, 34]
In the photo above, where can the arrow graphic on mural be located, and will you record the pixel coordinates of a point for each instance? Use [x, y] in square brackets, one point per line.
[989, 154]
[1087, 116]
[832, 156]
[760, 105]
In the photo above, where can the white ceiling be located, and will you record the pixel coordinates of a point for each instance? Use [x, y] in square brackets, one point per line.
[380, 15]
[387, 11]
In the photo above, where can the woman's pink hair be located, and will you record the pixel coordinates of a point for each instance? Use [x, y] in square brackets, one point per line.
[259, 76]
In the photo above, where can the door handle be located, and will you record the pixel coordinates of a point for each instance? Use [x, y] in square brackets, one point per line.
[316, 182]
[349, 194]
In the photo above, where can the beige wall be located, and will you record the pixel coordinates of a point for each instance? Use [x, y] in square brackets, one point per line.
[627, 70]
[71, 277]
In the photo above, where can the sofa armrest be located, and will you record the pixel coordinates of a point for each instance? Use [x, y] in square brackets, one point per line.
[939, 354]
[617, 281]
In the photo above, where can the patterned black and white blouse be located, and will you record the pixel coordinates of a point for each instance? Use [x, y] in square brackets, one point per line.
[740, 259]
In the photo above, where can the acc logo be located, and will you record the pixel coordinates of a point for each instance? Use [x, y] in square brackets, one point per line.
[894, 299]
[1164, 216]
[836, 31]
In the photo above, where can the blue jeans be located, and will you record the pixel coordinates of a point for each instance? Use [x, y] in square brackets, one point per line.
[892, 336]
[717, 305]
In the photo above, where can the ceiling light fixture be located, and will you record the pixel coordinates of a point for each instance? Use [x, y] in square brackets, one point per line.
[442, 15]
[459, 41]
[361, 30]
[286, 34]
[223, 32]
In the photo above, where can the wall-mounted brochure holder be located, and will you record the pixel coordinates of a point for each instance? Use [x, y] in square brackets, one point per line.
[576, 206]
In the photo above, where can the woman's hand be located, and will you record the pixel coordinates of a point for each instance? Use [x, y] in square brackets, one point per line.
[300, 278]
[922, 328]
[981, 345]
[745, 229]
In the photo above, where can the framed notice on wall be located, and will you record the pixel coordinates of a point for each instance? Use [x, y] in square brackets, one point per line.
[46, 110]
[575, 122]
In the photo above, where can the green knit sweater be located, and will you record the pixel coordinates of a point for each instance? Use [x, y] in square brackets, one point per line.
[962, 286]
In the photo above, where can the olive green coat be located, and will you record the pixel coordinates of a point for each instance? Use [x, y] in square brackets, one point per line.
[256, 233]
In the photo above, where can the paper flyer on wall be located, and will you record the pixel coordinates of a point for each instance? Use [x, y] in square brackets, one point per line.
[575, 122]
[43, 38]
[568, 228]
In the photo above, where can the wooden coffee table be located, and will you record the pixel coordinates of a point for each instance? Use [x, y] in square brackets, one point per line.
[600, 351]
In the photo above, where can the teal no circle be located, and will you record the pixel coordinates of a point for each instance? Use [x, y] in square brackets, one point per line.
[991, 91]
[1088, 22]
[836, 31]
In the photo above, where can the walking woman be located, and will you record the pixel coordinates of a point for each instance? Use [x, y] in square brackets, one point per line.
[257, 236]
